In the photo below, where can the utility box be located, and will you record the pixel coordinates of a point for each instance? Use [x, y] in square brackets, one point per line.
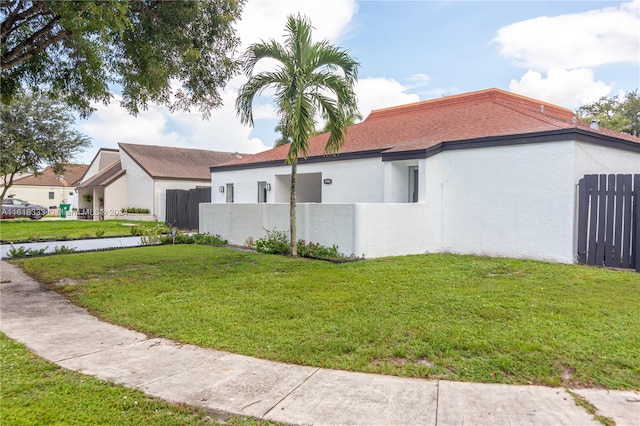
[64, 208]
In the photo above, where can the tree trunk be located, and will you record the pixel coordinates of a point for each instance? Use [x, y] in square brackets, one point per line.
[293, 245]
[7, 185]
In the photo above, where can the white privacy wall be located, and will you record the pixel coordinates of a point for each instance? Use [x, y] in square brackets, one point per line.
[372, 230]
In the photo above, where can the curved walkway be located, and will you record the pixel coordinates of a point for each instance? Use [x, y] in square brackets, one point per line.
[69, 336]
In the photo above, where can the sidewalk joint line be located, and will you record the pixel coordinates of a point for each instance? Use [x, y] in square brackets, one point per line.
[290, 392]
[99, 351]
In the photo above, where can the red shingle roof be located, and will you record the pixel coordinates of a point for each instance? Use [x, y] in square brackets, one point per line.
[69, 178]
[486, 113]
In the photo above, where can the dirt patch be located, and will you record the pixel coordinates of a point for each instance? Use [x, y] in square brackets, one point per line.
[68, 281]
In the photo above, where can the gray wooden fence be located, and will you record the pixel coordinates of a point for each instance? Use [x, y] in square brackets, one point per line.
[183, 207]
[609, 221]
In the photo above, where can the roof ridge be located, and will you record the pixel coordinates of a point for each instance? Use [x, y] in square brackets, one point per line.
[538, 115]
[493, 94]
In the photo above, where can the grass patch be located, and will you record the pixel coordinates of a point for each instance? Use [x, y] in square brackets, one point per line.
[434, 316]
[591, 409]
[35, 391]
[18, 231]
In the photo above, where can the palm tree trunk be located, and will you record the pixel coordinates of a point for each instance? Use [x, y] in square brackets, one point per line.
[293, 246]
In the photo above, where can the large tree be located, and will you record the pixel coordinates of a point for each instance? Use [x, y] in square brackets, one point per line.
[310, 79]
[621, 113]
[36, 132]
[175, 53]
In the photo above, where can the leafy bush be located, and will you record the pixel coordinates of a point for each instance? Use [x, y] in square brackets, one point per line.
[275, 242]
[318, 251]
[135, 210]
[64, 250]
[15, 253]
[149, 235]
[202, 239]
[99, 232]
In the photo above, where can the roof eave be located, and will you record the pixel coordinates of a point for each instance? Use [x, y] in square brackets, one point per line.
[310, 160]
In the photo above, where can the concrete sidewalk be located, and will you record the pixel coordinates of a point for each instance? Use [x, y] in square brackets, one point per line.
[67, 335]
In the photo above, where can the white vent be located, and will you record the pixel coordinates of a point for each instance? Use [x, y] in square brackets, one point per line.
[595, 124]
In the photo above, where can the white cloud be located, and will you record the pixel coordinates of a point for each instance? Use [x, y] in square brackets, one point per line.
[377, 92]
[418, 80]
[261, 19]
[561, 87]
[266, 19]
[587, 39]
[158, 126]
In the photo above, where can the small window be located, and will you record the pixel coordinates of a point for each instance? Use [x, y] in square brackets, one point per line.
[413, 184]
[229, 193]
[51, 195]
[262, 192]
[71, 194]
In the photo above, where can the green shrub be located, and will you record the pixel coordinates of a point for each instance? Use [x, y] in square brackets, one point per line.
[64, 250]
[15, 253]
[318, 251]
[203, 239]
[135, 210]
[99, 232]
[275, 242]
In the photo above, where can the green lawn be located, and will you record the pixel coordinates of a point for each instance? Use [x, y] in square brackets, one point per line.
[31, 230]
[36, 392]
[434, 316]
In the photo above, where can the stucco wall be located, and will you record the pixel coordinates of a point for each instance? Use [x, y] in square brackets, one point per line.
[115, 198]
[353, 181]
[513, 201]
[40, 194]
[509, 201]
[140, 188]
[372, 230]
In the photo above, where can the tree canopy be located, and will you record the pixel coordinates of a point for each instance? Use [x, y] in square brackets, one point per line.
[35, 132]
[74, 50]
[310, 79]
[620, 113]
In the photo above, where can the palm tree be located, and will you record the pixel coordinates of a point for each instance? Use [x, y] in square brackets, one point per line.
[310, 79]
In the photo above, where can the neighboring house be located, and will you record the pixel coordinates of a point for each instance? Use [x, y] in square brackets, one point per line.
[48, 188]
[137, 176]
[487, 172]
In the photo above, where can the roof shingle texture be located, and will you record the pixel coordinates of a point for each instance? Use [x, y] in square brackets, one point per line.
[177, 163]
[486, 113]
[105, 176]
[69, 178]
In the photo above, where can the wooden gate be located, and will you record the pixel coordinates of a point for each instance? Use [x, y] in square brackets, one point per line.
[183, 206]
[609, 221]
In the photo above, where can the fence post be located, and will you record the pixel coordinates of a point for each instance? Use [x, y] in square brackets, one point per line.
[583, 219]
[636, 222]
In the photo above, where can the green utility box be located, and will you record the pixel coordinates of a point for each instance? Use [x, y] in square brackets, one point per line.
[64, 208]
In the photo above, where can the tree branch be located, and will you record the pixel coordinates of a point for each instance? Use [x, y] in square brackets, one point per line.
[14, 16]
[17, 54]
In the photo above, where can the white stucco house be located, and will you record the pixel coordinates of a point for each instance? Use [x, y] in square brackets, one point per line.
[48, 188]
[137, 176]
[488, 172]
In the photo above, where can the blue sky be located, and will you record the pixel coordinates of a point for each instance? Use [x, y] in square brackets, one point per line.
[564, 52]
